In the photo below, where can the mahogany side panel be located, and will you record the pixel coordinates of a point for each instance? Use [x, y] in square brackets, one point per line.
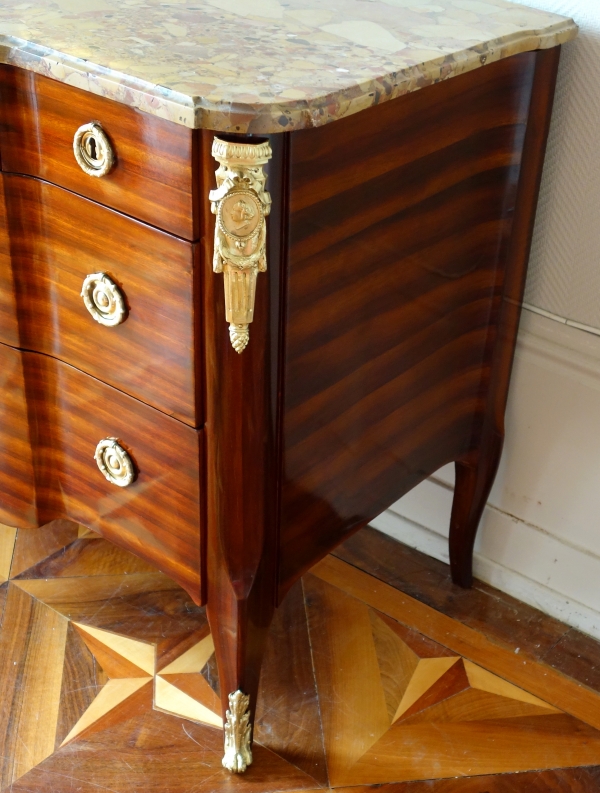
[400, 221]
[158, 517]
[56, 240]
[154, 176]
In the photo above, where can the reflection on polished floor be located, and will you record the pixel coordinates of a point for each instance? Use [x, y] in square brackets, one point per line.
[379, 672]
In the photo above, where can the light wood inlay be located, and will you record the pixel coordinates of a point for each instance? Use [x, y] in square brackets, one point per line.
[83, 532]
[198, 688]
[397, 663]
[114, 693]
[140, 654]
[473, 705]
[129, 664]
[8, 537]
[428, 672]
[193, 660]
[480, 678]
[113, 662]
[172, 699]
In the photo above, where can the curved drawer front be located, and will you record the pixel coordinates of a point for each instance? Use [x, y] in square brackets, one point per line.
[152, 176]
[58, 416]
[57, 240]
[17, 478]
[9, 329]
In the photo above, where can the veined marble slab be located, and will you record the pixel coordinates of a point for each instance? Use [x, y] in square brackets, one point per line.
[265, 66]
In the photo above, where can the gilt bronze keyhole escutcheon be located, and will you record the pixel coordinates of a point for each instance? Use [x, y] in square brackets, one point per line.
[93, 150]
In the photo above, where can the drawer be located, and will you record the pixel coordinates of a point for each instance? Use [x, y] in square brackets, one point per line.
[17, 480]
[158, 516]
[9, 329]
[57, 239]
[153, 177]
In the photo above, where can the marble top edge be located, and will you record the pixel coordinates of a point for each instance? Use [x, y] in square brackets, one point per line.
[308, 93]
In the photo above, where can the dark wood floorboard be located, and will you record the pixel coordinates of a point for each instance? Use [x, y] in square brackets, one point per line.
[288, 717]
[577, 655]
[570, 780]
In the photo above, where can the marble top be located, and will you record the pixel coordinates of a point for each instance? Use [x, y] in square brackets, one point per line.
[264, 66]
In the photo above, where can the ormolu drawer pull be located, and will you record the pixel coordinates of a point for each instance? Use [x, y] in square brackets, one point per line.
[103, 299]
[114, 462]
[92, 149]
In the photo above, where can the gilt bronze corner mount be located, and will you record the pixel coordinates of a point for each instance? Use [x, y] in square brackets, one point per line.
[241, 205]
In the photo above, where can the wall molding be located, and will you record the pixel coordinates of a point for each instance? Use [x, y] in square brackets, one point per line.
[525, 589]
[574, 350]
[563, 320]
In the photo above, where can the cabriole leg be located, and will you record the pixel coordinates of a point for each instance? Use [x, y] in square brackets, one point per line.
[475, 474]
[474, 479]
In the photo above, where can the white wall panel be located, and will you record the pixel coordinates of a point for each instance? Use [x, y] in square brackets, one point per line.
[564, 274]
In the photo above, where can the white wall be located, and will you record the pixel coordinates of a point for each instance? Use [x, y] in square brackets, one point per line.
[564, 271]
[540, 535]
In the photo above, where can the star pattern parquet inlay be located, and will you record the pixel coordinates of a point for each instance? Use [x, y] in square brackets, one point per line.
[108, 679]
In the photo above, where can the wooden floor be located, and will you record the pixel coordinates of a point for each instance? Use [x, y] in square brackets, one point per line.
[379, 672]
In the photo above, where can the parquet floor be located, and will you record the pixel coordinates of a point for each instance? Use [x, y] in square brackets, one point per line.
[108, 680]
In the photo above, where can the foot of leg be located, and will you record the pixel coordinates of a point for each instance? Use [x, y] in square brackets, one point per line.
[238, 734]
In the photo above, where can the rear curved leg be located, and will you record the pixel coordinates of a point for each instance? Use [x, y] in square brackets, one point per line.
[475, 473]
[474, 479]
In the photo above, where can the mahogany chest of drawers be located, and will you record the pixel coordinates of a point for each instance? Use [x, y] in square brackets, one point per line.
[371, 286]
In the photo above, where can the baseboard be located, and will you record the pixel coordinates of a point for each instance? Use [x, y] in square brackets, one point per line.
[539, 538]
[406, 531]
[507, 580]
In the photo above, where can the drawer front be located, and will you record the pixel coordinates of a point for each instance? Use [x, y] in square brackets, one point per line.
[158, 516]
[9, 329]
[153, 175]
[17, 481]
[57, 239]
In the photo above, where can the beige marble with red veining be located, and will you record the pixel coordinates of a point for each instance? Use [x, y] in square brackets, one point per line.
[265, 66]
